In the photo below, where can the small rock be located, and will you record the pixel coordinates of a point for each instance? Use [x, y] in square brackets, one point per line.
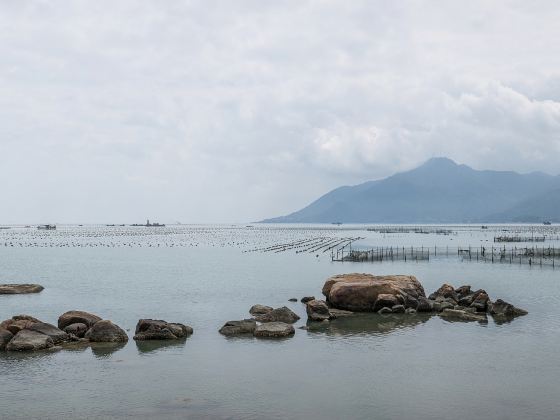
[385, 300]
[27, 340]
[16, 289]
[260, 309]
[384, 310]
[503, 309]
[410, 311]
[78, 329]
[317, 310]
[292, 300]
[245, 326]
[5, 337]
[480, 301]
[306, 299]
[425, 305]
[398, 309]
[73, 317]
[105, 331]
[453, 314]
[156, 329]
[283, 314]
[339, 313]
[463, 291]
[274, 330]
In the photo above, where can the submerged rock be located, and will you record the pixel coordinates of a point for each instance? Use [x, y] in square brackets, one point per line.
[505, 310]
[283, 314]
[360, 292]
[16, 289]
[105, 331]
[73, 317]
[385, 310]
[155, 329]
[398, 309]
[245, 326]
[260, 309]
[460, 315]
[339, 313]
[274, 330]
[317, 310]
[27, 340]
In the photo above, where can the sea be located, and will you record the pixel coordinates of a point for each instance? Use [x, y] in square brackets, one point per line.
[367, 366]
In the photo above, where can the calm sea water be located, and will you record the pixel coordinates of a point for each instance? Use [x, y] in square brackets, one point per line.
[366, 367]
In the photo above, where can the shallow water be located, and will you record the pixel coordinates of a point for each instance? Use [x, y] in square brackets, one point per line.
[366, 367]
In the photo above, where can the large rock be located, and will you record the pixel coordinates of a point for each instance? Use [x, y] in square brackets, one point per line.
[445, 291]
[18, 323]
[317, 310]
[425, 305]
[480, 301]
[27, 340]
[274, 330]
[73, 317]
[306, 299]
[5, 337]
[260, 309]
[360, 292]
[283, 314]
[155, 329]
[245, 326]
[78, 329]
[16, 289]
[385, 300]
[504, 310]
[58, 336]
[105, 331]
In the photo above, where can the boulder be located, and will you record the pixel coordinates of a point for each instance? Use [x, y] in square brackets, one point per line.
[156, 329]
[445, 291]
[460, 315]
[16, 289]
[385, 301]
[105, 331]
[18, 323]
[463, 291]
[274, 330]
[360, 292]
[27, 340]
[466, 300]
[260, 309]
[306, 299]
[5, 337]
[505, 310]
[283, 314]
[77, 329]
[73, 317]
[480, 301]
[425, 305]
[57, 336]
[317, 310]
[245, 326]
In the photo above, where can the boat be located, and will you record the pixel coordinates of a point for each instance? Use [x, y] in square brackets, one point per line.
[148, 224]
[547, 223]
[46, 227]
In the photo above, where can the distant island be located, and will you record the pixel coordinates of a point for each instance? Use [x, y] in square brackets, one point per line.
[439, 191]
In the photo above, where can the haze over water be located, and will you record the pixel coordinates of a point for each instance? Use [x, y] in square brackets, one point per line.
[411, 366]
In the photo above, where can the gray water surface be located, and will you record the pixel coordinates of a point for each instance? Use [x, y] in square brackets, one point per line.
[394, 367]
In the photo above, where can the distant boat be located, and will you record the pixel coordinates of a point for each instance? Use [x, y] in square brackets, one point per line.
[484, 227]
[336, 223]
[148, 224]
[46, 227]
[548, 223]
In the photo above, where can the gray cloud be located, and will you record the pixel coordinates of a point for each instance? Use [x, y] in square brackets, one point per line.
[236, 111]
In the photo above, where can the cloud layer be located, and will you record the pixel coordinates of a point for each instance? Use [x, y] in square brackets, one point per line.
[236, 111]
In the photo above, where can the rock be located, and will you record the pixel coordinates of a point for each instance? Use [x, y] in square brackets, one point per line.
[463, 291]
[445, 291]
[385, 310]
[245, 326]
[385, 301]
[339, 313]
[360, 292]
[77, 329]
[16, 289]
[306, 299]
[425, 305]
[317, 310]
[292, 300]
[57, 336]
[282, 314]
[27, 340]
[18, 323]
[105, 331]
[274, 330]
[5, 337]
[73, 317]
[459, 315]
[260, 309]
[503, 309]
[410, 311]
[480, 301]
[156, 329]
[398, 309]
[466, 300]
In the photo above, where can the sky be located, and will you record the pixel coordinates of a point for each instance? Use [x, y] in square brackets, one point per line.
[236, 111]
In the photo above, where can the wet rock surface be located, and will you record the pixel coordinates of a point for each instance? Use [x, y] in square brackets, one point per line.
[283, 314]
[274, 330]
[242, 327]
[105, 331]
[156, 329]
[260, 309]
[73, 317]
[17, 289]
[317, 310]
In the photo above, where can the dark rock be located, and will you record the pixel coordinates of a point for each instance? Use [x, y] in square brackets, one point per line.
[105, 331]
[410, 302]
[260, 309]
[425, 305]
[360, 292]
[505, 310]
[27, 340]
[180, 330]
[246, 326]
[78, 329]
[398, 309]
[282, 314]
[5, 337]
[480, 301]
[385, 310]
[317, 310]
[74, 317]
[274, 330]
[410, 311]
[156, 329]
[292, 300]
[306, 299]
[459, 315]
[16, 289]
[58, 336]
[445, 291]
[463, 291]
[466, 300]
[339, 313]
[385, 301]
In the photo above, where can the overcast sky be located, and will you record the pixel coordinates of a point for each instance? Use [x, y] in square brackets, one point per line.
[233, 111]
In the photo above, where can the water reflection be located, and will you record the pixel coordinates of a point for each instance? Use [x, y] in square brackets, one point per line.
[105, 350]
[359, 324]
[155, 346]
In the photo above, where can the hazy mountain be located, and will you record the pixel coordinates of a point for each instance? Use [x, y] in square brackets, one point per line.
[439, 191]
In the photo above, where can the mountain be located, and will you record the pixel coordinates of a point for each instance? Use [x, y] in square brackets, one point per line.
[439, 191]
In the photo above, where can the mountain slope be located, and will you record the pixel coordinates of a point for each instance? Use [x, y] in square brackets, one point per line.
[440, 191]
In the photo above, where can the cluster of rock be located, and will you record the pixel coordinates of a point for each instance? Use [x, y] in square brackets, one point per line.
[267, 322]
[26, 333]
[405, 294]
[18, 289]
